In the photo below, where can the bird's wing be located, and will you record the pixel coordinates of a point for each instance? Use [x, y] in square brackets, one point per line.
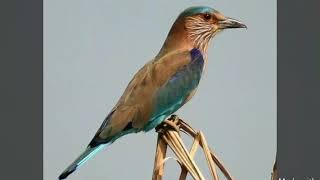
[178, 89]
[160, 85]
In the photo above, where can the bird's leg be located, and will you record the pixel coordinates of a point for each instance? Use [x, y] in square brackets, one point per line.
[175, 119]
[159, 128]
[173, 123]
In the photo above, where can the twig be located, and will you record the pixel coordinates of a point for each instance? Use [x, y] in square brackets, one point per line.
[160, 155]
[169, 134]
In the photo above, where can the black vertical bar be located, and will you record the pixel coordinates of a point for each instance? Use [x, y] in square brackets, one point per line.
[21, 89]
[298, 89]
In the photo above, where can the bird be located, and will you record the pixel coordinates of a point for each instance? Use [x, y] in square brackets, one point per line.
[165, 83]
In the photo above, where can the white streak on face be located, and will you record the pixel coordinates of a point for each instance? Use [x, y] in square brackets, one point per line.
[200, 32]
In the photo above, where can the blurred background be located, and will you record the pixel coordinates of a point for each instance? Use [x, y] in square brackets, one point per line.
[93, 48]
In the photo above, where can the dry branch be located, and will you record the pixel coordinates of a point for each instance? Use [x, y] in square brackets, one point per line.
[169, 135]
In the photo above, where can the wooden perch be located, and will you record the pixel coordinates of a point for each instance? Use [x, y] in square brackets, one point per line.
[169, 135]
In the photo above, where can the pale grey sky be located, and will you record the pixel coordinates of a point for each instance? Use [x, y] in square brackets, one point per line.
[93, 48]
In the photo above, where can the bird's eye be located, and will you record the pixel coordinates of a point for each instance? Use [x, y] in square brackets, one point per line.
[207, 16]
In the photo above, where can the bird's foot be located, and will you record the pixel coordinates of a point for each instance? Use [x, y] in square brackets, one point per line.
[171, 123]
[174, 118]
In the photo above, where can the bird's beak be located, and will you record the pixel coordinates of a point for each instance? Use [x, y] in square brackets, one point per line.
[230, 23]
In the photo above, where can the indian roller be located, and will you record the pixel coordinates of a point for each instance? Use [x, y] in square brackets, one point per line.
[165, 83]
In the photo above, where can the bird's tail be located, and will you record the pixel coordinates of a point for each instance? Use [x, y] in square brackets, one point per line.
[86, 155]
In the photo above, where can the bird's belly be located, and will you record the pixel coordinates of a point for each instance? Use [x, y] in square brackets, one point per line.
[154, 123]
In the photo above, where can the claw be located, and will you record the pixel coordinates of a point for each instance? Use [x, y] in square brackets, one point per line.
[172, 125]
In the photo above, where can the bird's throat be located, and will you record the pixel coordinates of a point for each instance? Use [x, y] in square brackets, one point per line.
[179, 39]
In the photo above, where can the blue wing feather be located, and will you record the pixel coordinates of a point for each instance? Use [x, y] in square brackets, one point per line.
[173, 94]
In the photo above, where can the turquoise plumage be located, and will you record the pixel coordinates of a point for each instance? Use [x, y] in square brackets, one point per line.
[174, 93]
[165, 83]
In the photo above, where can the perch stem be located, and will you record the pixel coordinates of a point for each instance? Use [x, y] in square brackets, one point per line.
[169, 135]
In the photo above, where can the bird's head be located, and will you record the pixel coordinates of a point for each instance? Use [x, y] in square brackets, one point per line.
[196, 26]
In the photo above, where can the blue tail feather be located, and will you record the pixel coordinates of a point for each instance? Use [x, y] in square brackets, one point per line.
[84, 157]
